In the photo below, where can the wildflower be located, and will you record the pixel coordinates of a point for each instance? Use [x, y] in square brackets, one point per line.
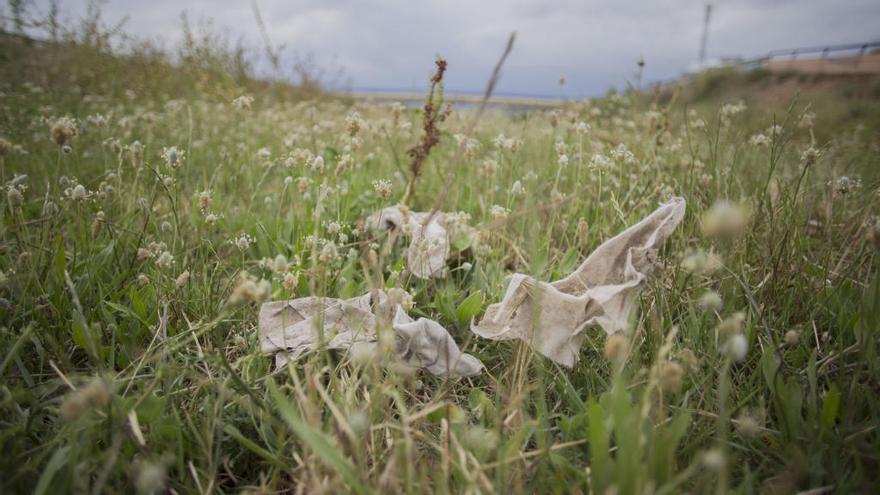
[143, 280]
[792, 337]
[670, 375]
[616, 346]
[728, 111]
[243, 242]
[79, 193]
[807, 120]
[747, 425]
[714, 459]
[845, 185]
[182, 279]
[211, 218]
[488, 167]
[759, 140]
[397, 295]
[563, 160]
[6, 146]
[517, 188]
[736, 347]
[561, 148]
[63, 130]
[302, 184]
[710, 301]
[14, 197]
[809, 156]
[150, 478]
[317, 164]
[382, 187]
[328, 252]
[700, 262]
[725, 220]
[732, 325]
[582, 128]
[165, 260]
[498, 212]
[243, 103]
[279, 264]
[353, 123]
[622, 154]
[289, 282]
[91, 397]
[690, 359]
[173, 157]
[50, 208]
[205, 200]
[136, 152]
[599, 162]
[250, 290]
[264, 153]
[144, 254]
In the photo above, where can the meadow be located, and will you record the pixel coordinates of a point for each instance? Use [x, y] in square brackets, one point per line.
[149, 208]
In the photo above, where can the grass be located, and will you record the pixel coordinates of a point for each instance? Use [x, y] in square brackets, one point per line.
[118, 374]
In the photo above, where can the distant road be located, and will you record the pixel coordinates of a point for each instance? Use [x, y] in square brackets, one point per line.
[416, 99]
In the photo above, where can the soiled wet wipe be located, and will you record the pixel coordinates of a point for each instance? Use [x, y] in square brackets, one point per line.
[294, 327]
[433, 237]
[602, 291]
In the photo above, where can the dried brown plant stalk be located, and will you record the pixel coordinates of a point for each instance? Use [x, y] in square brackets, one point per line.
[433, 115]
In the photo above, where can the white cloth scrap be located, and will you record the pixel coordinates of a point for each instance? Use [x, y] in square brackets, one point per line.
[602, 291]
[430, 237]
[291, 328]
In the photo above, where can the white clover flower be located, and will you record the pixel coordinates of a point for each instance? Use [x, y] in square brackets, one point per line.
[736, 347]
[759, 140]
[517, 188]
[710, 301]
[328, 252]
[498, 212]
[173, 157]
[725, 219]
[382, 187]
[243, 102]
[165, 260]
[280, 264]
[79, 193]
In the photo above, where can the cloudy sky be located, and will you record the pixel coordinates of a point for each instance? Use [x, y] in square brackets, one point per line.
[390, 44]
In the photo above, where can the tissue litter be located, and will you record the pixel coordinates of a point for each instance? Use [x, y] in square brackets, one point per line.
[291, 328]
[433, 237]
[602, 291]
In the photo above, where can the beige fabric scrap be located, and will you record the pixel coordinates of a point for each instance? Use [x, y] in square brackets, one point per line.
[294, 327]
[430, 238]
[602, 291]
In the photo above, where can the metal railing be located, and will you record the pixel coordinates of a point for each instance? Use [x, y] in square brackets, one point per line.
[860, 49]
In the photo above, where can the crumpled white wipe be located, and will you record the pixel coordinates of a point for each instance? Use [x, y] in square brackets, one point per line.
[291, 328]
[430, 239]
[602, 291]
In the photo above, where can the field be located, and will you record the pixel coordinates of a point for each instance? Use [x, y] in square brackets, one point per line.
[149, 208]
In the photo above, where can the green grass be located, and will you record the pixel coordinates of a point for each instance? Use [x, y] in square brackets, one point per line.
[115, 377]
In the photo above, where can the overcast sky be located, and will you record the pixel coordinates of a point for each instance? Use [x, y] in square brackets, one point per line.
[390, 44]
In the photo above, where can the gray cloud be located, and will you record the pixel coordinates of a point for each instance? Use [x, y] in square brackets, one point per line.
[595, 44]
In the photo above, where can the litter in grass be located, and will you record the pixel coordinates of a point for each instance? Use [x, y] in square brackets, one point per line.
[434, 237]
[602, 291]
[294, 327]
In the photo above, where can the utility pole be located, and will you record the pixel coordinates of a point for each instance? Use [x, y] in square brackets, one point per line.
[705, 39]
